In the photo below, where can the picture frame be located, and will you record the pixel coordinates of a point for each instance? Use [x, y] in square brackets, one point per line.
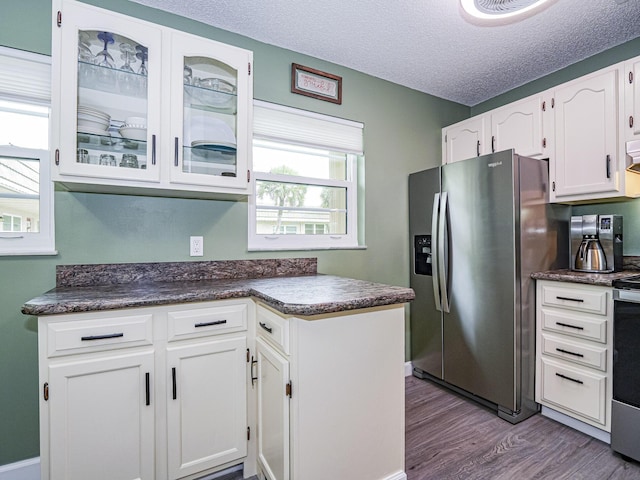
[316, 84]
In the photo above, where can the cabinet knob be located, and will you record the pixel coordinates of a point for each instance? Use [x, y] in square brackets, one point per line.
[631, 121]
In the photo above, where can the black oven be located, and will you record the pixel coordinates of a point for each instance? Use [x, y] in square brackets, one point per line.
[625, 408]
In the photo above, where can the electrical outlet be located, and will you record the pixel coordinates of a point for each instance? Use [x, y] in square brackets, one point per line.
[196, 246]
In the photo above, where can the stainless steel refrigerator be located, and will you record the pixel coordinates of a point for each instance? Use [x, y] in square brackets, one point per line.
[479, 228]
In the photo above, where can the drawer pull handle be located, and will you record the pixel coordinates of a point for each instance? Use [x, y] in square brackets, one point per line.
[579, 300]
[175, 384]
[570, 326]
[561, 350]
[208, 324]
[147, 388]
[569, 378]
[264, 326]
[102, 337]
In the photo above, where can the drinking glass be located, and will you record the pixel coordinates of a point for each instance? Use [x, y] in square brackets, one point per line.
[142, 55]
[108, 159]
[107, 59]
[128, 55]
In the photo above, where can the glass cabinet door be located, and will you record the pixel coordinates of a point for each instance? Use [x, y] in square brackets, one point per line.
[110, 95]
[209, 112]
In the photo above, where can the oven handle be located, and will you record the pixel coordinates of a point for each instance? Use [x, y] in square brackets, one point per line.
[632, 296]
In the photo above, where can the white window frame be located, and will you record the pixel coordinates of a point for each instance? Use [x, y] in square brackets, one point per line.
[26, 78]
[32, 243]
[349, 240]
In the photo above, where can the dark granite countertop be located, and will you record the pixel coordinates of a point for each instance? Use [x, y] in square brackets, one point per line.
[566, 275]
[303, 295]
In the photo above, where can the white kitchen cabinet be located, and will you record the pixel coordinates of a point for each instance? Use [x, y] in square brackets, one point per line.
[574, 353]
[328, 409]
[97, 403]
[631, 80]
[519, 126]
[467, 139]
[94, 401]
[207, 407]
[588, 162]
[273, 411]
[185, 103]
[158, 392]
[207, 387]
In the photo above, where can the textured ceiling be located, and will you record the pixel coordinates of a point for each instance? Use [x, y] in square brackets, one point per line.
[426, 45]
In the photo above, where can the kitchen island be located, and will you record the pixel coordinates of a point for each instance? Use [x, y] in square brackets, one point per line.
[263, 363]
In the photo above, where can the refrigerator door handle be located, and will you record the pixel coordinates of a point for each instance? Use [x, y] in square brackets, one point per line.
[435, 255]
[443, 252]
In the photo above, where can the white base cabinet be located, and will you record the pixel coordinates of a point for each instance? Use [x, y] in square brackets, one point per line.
[341, 411]
[206, 409]
[183, 391]
[147, 393]
[574, 353]
[101, 422]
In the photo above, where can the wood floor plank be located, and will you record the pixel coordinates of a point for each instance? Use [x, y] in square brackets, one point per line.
[451, 437]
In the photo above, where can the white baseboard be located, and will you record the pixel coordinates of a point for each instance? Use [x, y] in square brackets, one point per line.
[24, 470]
[408, 369]
[576, 424]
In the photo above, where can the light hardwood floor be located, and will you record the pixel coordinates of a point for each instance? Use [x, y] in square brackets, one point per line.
[449, 437]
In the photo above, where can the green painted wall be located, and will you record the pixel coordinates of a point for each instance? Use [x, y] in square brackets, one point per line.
[402, 135]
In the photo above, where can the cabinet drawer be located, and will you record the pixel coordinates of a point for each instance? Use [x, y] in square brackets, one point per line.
[590, 355]
[581, 299]
[273, 328]
[201, 322]
[105, 333]
[589, 327]
[577, 390]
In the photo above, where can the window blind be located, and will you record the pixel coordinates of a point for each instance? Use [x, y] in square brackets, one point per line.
[309, 129]
[25, 76]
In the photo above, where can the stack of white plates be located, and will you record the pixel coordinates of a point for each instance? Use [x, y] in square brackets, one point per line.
[210, 132]
[91, 120]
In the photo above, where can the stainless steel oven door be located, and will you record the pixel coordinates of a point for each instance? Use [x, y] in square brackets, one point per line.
[625, 409]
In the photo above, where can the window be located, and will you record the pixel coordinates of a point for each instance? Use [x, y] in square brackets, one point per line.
[26, 190]
[305, 180]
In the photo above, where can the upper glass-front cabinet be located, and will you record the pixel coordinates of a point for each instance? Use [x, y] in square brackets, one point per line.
[140, 106]
[209, 113]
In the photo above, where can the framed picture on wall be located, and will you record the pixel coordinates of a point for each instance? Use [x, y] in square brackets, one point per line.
[315, 83]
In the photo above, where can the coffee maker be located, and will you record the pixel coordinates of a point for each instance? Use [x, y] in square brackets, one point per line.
[596, 243]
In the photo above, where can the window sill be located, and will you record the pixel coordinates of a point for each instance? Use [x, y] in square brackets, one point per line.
[304, 249]
[26, 253]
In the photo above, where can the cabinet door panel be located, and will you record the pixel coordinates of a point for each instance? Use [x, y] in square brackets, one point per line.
[93, 402]
[519, 126]
[273, 412]
[207, 414]
[465, 140]
[98, 92]
[586, 136]
[210, 114]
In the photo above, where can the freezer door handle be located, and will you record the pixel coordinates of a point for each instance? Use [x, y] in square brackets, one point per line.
[435, 257]
[443, 251]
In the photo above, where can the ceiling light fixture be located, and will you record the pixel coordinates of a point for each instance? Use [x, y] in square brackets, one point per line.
[501, 11]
